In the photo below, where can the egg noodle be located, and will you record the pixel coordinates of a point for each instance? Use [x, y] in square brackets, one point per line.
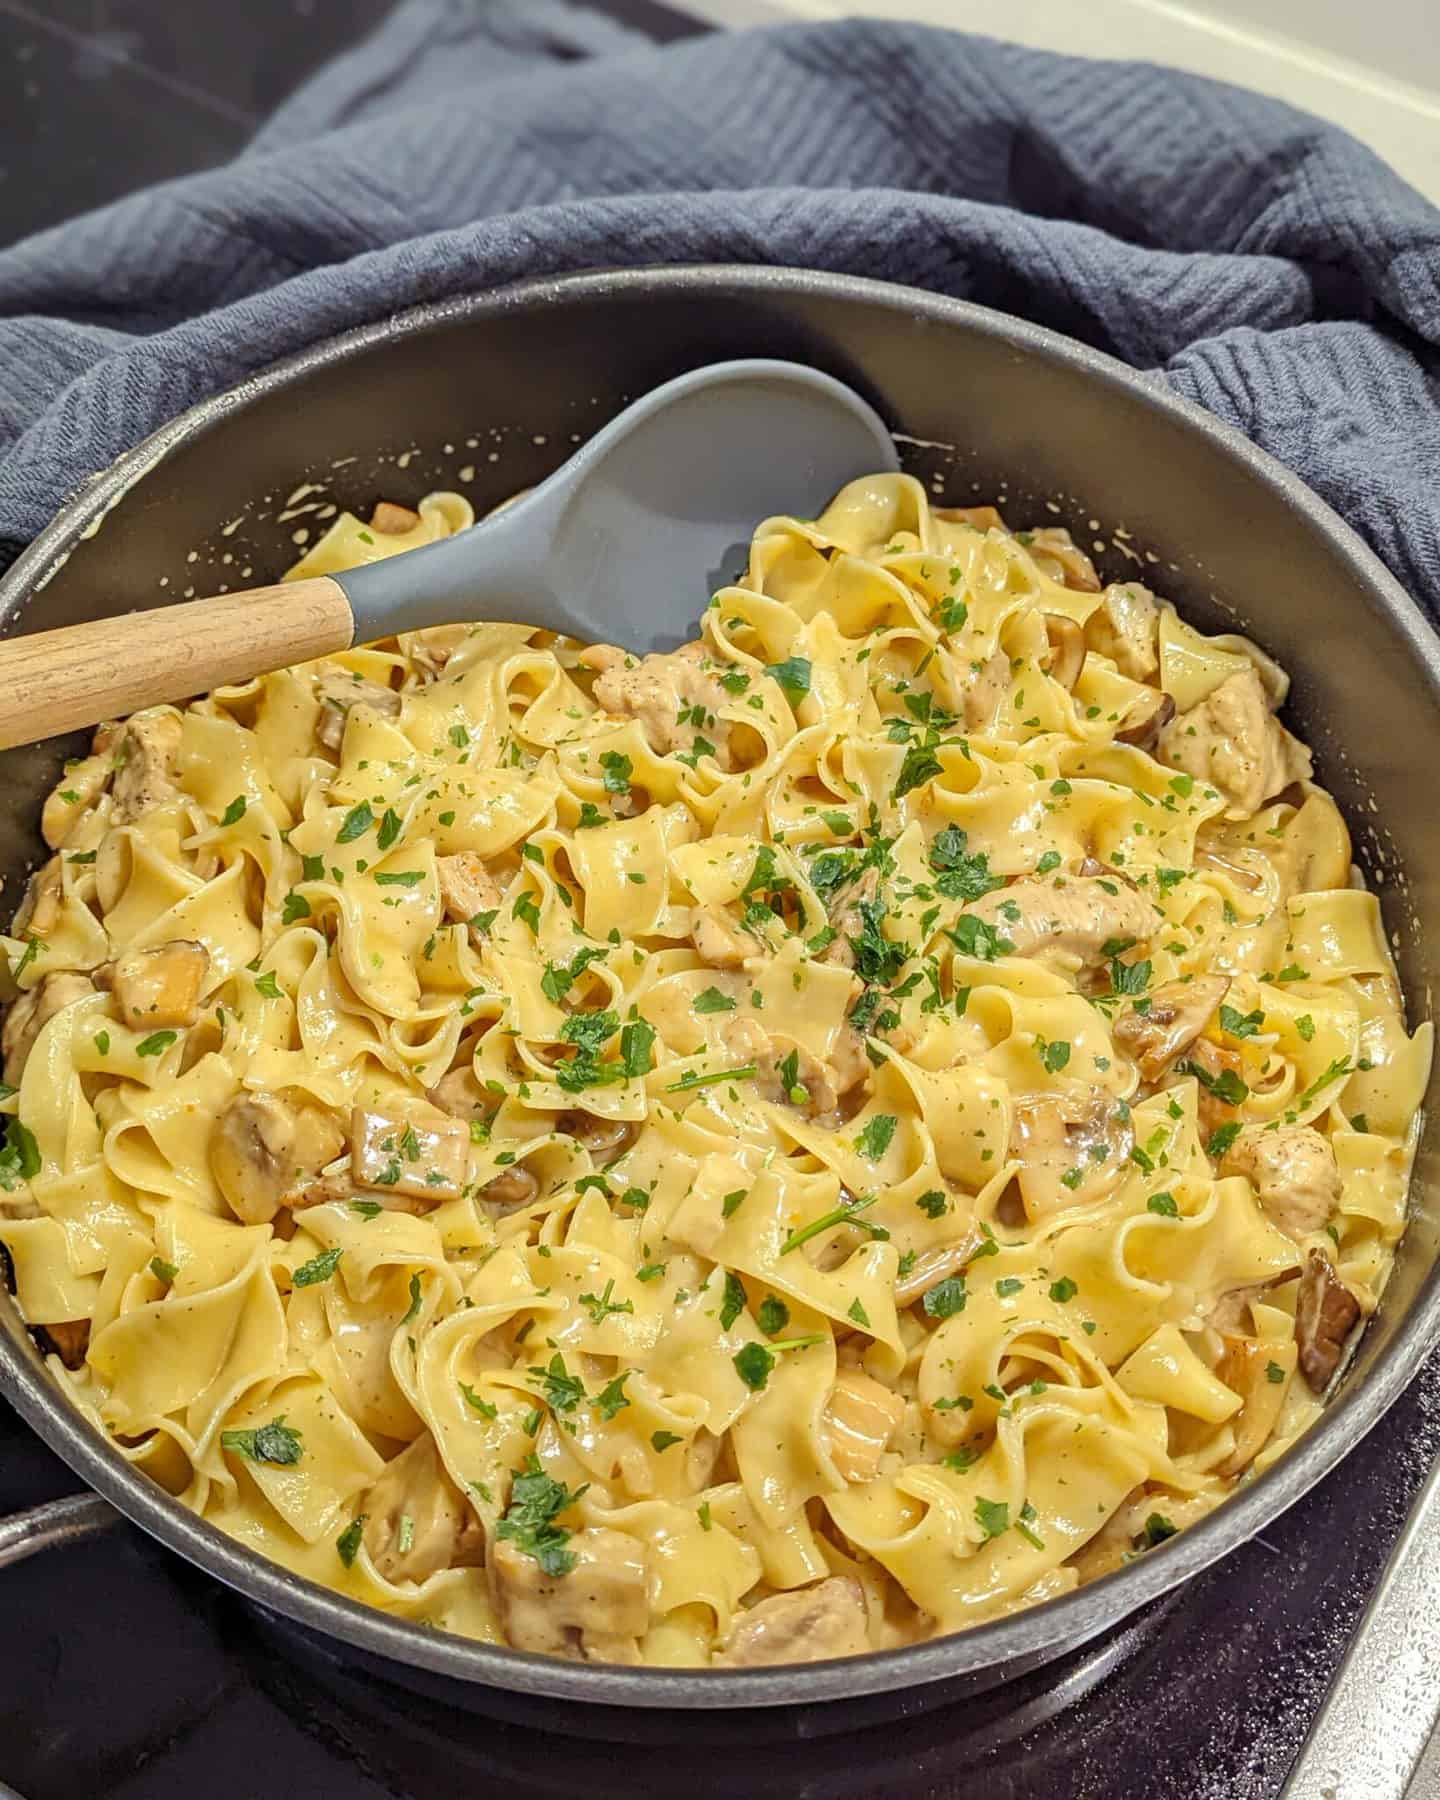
[787, 1148]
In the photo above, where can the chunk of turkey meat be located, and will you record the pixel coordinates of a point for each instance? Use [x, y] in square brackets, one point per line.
[1233, 740]
[1073, 916]
[808, 1625]
[338, 691]
[824, 1084]
[1294, 1173]
[1326, 1312]
[73, 795]
[32, 1012]
[719, 941]
[264, 1150]
[146, 750]
[676, 696]
[1072, 1149]
[1178, 1012]
[595, 1611]
[1125, 626]
[416, 1520]
[859, 1421]
[467, 888]
[158, 989]
[846, 918]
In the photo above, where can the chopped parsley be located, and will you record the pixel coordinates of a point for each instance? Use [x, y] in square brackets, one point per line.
[536, 1501]
[276, 1443]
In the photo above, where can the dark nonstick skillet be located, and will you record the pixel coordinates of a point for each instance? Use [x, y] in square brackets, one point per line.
[489, 394]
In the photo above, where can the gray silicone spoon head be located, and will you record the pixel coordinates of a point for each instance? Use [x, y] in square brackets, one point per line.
[627, 542]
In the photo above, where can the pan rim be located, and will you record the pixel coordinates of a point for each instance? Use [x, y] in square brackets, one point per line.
[1021, 1638]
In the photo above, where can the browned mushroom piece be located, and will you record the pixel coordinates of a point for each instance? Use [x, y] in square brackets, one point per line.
[1178, 1011]
[1248, 1368]
[264, 1150]
[1326, 1312]
[515, 1186]
[1145, 721]
[1231, 1314]
[417, 1520]
[605, 1138]
[1294, 1172]
[159, 989]
[68, 1339]
[859, 1421]
[338, 693]
[595, 1611]
[1067, 649]
[31, 1012]
[460, 1094]
[467, 890]
[1062, 559]
[425, 1160]
[808, 1625]
[392, 520]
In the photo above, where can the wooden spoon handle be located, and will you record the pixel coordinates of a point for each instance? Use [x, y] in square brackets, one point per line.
[55, 681]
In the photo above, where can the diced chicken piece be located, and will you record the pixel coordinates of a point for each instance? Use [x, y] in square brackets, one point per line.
[789, 1075]
[1125, 626]
[1062, 559]
[1293, 1169]
[1073, 916]
[984, 689]
[1326, 1312]
[1072, 1149]
[719, 941]
[601, 1137]
[1249, 1369]
[601, 1606]
[467, 889]
[392, 520]
[69, 1340]
[860, 1419]
[847, 919]
[32, 1012]
[516, 1186]
[145, 760]
[676, 697]
[809, 1625]
[338, 692]
[159, 989]
[1215, 1062]
[1067, 649]
[1232, 740]
[39, 911]
[417, 1521]
[931, 1267]
[73, 795]
[1178, 1012]
[264, 1151]
[425, 1159]
[1144, 722]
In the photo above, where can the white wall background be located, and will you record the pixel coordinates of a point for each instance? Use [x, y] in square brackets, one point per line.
[1371, 66]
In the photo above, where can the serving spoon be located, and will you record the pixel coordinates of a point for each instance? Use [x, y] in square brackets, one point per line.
[625, 543]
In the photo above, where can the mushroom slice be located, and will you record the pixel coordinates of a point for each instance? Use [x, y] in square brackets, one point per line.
[68, 1339]
[1073, 916]
[416, 1520]
[515, 1186]
[931, 1267]
[39, 911]
[1062, 559]
[1248, 1368]
[392, 520]
[1067, 649]
[808, 1625]
[600, 1604]
[426, 1160]
[601, 1137]
[1326, 1312]
[1178, 1012]
[1212, 1064]
[460, 1094]
[144, 759]
[1072, 1149]
[263, 1151]
[1294, 1172]
[338, 692]
[159, 989]
[860, 1419]
[1145, 721]
[31, 1012]
[467, 889]
[1125, 626]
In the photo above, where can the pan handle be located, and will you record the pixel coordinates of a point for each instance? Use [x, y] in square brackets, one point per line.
[67, 1521]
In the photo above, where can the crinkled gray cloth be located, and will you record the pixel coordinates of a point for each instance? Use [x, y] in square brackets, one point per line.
[1269, 265]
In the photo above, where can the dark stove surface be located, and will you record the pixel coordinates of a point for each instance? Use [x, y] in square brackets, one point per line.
[129, 1675]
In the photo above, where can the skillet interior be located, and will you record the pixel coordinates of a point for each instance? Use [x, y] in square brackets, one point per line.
[490, 395]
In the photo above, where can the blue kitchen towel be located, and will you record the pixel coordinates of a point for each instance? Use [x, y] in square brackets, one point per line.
[1271, 267]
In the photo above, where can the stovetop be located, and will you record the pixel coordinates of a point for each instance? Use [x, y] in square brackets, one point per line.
[129, 1675]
